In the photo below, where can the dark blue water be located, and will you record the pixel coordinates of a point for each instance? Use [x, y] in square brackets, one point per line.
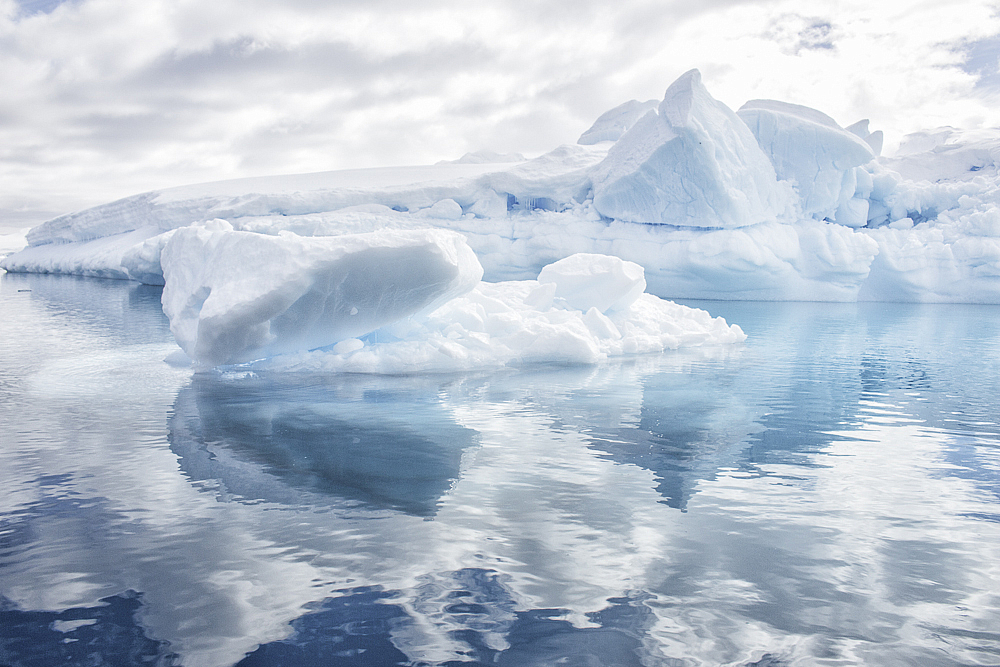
[827, 493]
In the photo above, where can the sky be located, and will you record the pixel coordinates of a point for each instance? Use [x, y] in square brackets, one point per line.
[102, 99]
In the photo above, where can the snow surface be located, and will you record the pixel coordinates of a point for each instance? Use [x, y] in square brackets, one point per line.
[776, 201]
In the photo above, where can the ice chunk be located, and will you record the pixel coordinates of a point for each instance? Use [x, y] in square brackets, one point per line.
[446, 209]
[693, 164]
[808, 148]
[611, 125]
[236, 296]
[518, 322]
[586, 280]
[873, 139]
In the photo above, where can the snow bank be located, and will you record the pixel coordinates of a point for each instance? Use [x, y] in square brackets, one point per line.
[236, 296]
[774, 202]
[694, 163]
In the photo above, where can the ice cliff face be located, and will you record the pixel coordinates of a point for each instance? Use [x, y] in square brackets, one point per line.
[775, 201]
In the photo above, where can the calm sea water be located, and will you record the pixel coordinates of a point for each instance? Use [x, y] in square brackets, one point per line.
[827, 493]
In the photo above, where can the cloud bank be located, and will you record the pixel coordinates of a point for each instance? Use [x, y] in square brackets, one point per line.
[105, 98]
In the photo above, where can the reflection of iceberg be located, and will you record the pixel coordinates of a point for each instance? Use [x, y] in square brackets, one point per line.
[265, 440]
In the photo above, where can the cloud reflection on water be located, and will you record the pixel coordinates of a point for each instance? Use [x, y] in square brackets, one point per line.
[821, 493]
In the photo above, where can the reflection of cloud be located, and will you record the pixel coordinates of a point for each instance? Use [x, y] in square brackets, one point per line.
[848, 533]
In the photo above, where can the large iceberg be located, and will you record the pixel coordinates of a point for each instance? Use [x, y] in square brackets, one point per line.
[775, 201]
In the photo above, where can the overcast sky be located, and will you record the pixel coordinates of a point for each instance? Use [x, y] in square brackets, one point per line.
[101, 99]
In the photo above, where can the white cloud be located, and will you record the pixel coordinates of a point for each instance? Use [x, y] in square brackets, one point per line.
[105, 98]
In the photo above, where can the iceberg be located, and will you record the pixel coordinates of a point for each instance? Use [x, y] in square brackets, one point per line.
[776, 201]
[403, 301]
[581, 310]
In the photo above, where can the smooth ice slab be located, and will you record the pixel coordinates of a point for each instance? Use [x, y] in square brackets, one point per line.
[236, 296]
[693, 164]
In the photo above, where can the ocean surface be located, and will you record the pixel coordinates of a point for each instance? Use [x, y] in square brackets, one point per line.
[827, 493]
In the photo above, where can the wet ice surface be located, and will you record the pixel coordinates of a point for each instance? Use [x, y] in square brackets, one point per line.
[826, 493]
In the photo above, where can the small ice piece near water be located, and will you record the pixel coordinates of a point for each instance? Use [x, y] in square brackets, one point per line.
[586, 280]
[234, 296]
